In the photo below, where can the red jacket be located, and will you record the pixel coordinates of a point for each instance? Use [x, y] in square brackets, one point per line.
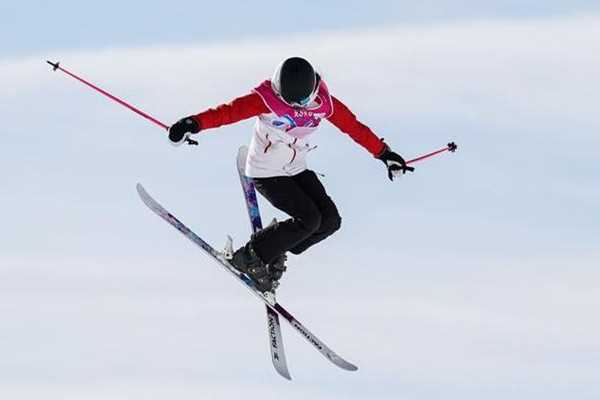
[252, 105]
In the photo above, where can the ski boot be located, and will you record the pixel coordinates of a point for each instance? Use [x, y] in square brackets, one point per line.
[247, 261]
[276, 268]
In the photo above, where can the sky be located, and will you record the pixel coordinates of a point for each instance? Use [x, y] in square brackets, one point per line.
[475, 277]
[36, 26]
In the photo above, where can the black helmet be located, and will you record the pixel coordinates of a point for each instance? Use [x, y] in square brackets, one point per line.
[296, 81]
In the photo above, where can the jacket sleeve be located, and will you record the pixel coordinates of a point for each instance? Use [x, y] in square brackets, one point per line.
[241, 108]
[347, 122]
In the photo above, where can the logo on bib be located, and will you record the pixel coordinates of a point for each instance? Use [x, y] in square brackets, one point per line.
[302, 119]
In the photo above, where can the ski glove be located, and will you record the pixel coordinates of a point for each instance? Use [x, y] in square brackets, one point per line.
[180, 131]
[394, 163]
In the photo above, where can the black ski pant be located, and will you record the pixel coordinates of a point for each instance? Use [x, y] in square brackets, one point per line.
[314, 216]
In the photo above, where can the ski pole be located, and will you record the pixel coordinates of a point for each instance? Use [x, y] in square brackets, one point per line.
[451, 147]
[56, 66]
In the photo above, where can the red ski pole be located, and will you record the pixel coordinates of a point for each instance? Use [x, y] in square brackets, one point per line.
[56, 66]
[451, 147]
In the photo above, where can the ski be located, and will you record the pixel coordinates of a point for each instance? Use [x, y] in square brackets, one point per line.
[267, 298]
[273, 324]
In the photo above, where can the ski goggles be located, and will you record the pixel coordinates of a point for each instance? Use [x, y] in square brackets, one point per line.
[305, 101]
[310, 98]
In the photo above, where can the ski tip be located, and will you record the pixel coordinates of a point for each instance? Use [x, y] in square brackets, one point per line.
[286, 375]
[140, 189]
[282, 370]
[348, 366]
[343, 364]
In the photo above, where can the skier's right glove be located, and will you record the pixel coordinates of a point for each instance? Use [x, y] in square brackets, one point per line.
[180, 131]
[394, 163]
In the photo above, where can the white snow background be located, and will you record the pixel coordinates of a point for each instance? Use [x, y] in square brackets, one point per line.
[475, 277]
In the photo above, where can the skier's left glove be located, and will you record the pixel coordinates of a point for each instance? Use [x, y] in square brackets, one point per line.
[180, 131]
[395, 164]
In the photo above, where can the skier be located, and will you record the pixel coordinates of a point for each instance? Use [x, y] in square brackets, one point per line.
[289, 108]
